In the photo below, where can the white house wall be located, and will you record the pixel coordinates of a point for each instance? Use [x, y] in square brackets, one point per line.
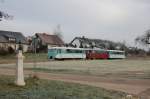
[76, 42]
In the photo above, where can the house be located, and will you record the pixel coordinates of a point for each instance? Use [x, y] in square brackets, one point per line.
[9, 41]
[43, 41]
[82, 42]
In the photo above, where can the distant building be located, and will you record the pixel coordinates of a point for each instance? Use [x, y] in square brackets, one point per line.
[43, 41]
[10, 41]
[82, 42]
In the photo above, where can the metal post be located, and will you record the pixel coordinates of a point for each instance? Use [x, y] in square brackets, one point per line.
[34, 56]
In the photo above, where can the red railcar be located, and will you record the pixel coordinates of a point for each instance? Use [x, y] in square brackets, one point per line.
[97, 54]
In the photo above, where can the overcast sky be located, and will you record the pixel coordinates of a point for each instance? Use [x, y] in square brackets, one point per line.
[115, 20]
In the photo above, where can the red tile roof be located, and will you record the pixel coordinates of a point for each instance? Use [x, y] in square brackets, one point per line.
[50, 39]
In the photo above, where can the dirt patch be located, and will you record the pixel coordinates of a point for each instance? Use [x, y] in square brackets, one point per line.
[145, 94]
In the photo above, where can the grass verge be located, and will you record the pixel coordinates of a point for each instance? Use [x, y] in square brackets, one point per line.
[45, 89]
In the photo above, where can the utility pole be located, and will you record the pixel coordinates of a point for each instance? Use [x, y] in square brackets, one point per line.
[35, 52]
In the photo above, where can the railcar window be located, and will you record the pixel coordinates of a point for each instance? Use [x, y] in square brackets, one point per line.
[59, 50]
[51, 50]
[68, 50]
[100, 51]
[73, 51]
[119, 53]
[78, 51]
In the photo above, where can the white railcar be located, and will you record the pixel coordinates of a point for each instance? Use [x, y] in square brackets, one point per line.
[66, 53]
[116, 54]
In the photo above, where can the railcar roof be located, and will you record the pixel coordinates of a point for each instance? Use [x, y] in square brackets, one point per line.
[94, 49]
[115, 51]
[75, 48]
[66, 48]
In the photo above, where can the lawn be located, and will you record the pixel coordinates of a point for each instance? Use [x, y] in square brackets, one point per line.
[127, 68]
[138, 69]
[45, 89]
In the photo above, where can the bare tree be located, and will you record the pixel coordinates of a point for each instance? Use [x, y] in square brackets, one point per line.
[58, 32]
[144, 39]
[4, 15]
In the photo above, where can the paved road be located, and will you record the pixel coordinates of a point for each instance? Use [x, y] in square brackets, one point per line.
[136, 87]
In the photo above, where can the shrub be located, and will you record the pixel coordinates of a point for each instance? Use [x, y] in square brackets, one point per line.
[3, 51]
[6, 51]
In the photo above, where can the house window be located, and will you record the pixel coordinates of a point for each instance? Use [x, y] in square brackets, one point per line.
[12, 39]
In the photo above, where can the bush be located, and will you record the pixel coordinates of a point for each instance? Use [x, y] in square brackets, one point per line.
[11, 50]
[6, 51]
[3, 51]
